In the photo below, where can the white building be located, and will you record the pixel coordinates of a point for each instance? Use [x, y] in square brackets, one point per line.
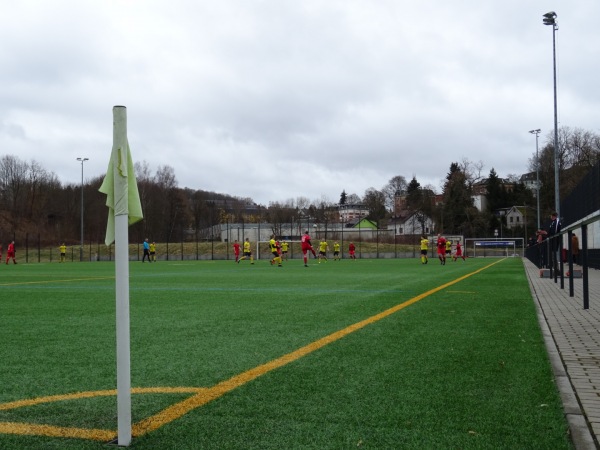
[351, 212]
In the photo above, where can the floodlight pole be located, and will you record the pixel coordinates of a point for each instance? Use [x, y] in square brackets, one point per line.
[550, 19]
[81, 247]
[537, 175]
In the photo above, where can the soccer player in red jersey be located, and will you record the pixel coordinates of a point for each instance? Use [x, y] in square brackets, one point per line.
[10, 252]
[236, 250]
[458, 253]
[441, 249]
[306, 246]
[352, 250]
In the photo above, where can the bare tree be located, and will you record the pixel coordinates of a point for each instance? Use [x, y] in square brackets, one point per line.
[353, 199]
[374, 200]
[396, 185]
[13, 179]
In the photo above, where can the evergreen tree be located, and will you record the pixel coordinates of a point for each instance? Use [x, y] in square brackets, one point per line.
[494, 192]
[343, 197]
[458, 215]
[414, 195]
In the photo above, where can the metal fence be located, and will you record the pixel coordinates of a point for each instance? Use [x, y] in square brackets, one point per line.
[377, 245]
[553, 254]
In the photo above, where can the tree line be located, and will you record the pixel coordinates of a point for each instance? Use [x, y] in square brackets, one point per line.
[34, 202]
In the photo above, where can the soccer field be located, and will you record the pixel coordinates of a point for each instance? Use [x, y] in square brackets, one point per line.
[349, 354]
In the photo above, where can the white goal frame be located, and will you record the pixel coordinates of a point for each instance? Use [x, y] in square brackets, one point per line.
[494, 247]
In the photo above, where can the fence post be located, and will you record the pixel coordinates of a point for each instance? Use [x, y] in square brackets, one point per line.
[584, 263]
[570, 247]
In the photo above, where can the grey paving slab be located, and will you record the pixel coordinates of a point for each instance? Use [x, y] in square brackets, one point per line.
[572, 337]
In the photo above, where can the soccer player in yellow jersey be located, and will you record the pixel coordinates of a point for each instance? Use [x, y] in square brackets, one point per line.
[63, 252]
[336, 251]
[284, 250]
[247, 252]
[424, 245]
[153, 252]
[323, 250]
[274, 246]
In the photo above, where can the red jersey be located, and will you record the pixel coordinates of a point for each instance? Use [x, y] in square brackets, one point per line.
[351, 248]
[458, 249]
[441, 245]
[11, 249]
[306, 242]
[236, 248]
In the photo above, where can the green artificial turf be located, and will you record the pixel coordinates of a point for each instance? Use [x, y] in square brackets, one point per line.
[465, 367]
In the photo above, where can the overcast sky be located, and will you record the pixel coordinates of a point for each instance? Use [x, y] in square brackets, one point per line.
[280, 99]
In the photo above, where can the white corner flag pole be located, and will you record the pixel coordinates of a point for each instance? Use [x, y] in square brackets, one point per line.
[122, 291]
[123, 201]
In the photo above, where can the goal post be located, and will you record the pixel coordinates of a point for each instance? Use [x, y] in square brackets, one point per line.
[494, 247]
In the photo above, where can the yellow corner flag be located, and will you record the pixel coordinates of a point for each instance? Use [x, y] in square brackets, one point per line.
[120, 187]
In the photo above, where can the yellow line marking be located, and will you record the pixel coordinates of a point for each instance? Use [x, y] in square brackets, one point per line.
[72, 432]
[19, 283]
[52, 431]
[201, 396]
[92, 394]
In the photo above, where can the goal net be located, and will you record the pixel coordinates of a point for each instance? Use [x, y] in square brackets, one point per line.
[494, 247]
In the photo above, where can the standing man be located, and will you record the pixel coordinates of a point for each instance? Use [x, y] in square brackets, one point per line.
[352, 250]
[441, 249]
[575, 247]
[63, 252]
[336, 251]
[236, 250]
[10, 252]
[153, 252]
[247, 252]
[146, 251]
[306, 246]
[542, 249]
[424, 247]
[553, 231]
[323, 247]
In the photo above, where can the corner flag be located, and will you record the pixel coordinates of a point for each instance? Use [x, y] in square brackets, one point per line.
[124, 208]
[120, 185]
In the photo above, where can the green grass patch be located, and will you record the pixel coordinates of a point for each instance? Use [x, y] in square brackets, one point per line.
[465, 367]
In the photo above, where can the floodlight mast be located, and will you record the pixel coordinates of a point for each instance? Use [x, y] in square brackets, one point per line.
[550, 19]
[81, 248]
[537, 175]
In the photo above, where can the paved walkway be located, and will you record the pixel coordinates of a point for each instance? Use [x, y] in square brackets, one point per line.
[572, 336]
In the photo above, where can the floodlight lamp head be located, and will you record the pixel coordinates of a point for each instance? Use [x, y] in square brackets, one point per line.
[550, 18]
